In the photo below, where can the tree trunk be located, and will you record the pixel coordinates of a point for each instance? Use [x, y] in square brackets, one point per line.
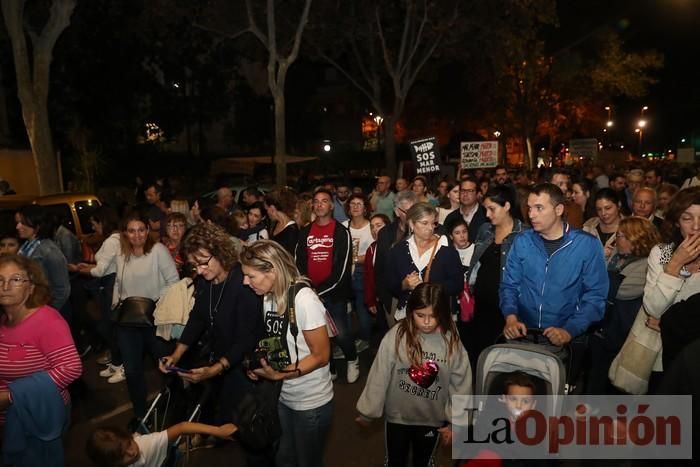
[42, 149]
[390, 146]
[280, 139]
[33, 81]
[531, 162]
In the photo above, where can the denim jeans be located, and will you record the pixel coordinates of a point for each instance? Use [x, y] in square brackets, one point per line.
[304, 435]
[133, 341]
[364, 317]
[344, 339]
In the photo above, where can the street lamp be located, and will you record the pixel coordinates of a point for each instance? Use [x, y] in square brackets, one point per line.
[609, 123]
[640, 127]
[378, 119]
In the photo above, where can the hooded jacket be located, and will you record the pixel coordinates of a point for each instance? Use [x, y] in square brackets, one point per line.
[567, 289]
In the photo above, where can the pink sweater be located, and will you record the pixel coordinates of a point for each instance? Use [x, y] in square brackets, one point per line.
[42, 342]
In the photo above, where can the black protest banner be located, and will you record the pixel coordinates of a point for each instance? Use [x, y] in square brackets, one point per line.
[426, 155]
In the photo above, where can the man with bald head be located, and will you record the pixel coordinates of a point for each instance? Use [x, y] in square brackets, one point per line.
[382, 200]
[224, 198]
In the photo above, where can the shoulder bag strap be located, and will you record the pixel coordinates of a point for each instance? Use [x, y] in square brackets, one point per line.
[426, 276]
[292, 316]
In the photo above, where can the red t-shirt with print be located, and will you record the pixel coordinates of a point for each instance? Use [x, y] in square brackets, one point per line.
[319, 248]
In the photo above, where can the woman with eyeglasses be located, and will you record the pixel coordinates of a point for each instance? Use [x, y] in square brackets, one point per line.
[306, 400]
[226, 318]
[37, 354]
[422, 257]
[145, 270]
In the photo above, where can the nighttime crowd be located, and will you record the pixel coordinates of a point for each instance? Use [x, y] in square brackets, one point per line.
[264, 301]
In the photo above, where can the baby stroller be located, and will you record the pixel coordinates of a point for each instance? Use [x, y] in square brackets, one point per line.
[549, 366]
[168, 408]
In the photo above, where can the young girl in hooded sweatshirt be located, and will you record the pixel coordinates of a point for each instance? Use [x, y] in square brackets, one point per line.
[420, 365]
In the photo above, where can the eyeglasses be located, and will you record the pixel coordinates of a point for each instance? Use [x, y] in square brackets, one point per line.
[203, 264]
[14, 282]
[468, 190]
[175, 226]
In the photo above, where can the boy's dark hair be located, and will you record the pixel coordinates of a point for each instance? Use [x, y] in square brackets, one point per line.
[555, 194]
[106, 446]
[519, 378]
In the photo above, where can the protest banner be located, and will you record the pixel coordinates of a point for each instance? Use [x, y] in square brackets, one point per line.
[426, 155]
[478, 154]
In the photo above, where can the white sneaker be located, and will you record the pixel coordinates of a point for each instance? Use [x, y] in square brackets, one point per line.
[353, 370]
[109, 371]
[338, 353]
[118, 376]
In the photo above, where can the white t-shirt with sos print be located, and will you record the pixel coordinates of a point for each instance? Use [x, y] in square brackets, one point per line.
[316, 388]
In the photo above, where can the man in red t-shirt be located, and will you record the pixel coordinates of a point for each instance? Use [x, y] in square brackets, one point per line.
[324, 254]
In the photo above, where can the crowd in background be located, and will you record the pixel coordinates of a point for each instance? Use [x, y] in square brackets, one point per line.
[215, 274]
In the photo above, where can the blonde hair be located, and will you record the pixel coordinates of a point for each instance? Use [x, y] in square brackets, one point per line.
[269, 256]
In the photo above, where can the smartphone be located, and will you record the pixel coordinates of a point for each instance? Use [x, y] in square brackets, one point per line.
[175, 369]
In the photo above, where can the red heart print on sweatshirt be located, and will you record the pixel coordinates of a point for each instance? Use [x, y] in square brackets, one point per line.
[424, 375]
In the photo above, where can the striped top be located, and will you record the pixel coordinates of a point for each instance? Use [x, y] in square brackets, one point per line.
[41, 342]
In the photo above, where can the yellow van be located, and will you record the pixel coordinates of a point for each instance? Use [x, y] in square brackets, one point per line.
[74, 207]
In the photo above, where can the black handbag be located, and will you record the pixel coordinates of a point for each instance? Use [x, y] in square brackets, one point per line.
[256, 413]
[134, 312]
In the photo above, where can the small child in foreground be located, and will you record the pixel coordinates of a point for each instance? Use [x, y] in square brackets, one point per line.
[519, 394]
[116, 447]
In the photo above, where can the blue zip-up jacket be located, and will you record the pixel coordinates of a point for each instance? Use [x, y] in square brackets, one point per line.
[566, 290]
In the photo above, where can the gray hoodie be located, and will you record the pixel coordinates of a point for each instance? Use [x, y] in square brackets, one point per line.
[391, 392]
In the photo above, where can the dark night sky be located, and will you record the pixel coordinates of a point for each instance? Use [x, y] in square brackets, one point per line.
[672, 27]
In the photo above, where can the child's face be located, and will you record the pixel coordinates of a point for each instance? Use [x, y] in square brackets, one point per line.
[131, 453]
[425, 320]
[9, 246]
[519, 399]
[460, 236]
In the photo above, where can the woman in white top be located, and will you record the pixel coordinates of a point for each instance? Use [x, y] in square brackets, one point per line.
[357, 208]
[144, 269]
[105, 222]
[306, 400]
[673, 272]
[449, 203]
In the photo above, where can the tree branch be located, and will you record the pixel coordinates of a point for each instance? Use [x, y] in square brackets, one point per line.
[417, 40]
[385, 50]
[219, 32]
[404, 34]
[253, 25]
[299, 32]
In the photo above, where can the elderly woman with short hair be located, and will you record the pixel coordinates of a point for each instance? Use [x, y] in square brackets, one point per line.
[36, 347]
[422, 257]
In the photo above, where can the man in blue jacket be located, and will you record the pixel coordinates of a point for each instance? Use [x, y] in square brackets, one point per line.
[555, 277]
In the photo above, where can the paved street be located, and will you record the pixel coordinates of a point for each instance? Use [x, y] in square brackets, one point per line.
[106, 404]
